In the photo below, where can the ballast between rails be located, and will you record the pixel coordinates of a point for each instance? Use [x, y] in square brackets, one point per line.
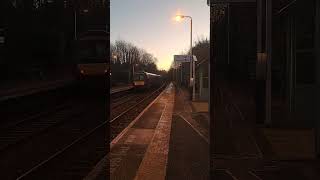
[81, 139]
[59, 153]
[129, 109]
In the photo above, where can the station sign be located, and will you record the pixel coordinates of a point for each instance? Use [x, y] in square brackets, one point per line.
[184, 58]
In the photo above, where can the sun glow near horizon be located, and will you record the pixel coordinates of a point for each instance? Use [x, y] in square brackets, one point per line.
[164, 63]
[152, 25]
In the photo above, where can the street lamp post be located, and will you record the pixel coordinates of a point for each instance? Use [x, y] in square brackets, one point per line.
[192, 63]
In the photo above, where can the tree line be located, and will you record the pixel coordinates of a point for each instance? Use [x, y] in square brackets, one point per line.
[126, 58]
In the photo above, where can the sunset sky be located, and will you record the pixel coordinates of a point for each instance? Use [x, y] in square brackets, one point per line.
[150, 24]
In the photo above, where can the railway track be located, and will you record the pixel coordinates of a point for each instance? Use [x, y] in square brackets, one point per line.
[35, 150]
[26, 128]
[121, 101]
[121, 119]
[11, 124]
[74, 160]
[79, 157]
[29, 142]
[23, 108]
[119, 95]
[125, 104]
[19, 128]
[65, 144]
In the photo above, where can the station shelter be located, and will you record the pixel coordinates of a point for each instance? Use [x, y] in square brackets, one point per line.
[267, 52]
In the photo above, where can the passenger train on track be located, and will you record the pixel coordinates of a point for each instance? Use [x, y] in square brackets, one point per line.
[145, 80]
[90, 54]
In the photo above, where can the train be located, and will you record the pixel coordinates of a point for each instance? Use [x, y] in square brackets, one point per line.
[146, 80]
[91, 55]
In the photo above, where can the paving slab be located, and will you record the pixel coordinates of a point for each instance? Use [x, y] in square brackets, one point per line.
[200, 106]
[188, 154]
[142, 151]
[189, 142]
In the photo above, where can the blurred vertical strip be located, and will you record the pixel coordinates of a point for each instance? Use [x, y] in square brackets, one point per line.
[317, 51]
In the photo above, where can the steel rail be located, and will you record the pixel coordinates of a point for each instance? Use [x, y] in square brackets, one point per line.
[59, 153]
[45, 126]
[36, 115]
[128, 99]
[132, 107]
[81, 138]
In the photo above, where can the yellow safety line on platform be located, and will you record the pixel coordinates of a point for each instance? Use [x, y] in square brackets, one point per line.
[154, 163]
[103, 162]
[116, 139]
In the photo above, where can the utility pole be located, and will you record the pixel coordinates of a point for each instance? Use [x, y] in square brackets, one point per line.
[192, 62]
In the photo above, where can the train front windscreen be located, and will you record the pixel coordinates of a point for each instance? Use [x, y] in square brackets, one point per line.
[91, 52]
[138, 77]
[92, 57]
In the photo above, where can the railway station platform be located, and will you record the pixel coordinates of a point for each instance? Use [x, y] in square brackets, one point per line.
[163, 142]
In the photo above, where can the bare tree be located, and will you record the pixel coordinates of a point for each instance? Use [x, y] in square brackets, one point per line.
[124, 55]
